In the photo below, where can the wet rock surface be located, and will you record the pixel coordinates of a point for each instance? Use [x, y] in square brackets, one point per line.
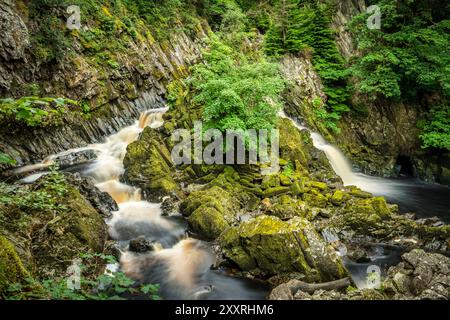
[140, 245]
[420, 275]
[101, 201]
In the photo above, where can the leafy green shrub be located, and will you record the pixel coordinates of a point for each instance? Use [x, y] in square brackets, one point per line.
[436, 128]
[236, 93]
[50, 38]
[34, 111]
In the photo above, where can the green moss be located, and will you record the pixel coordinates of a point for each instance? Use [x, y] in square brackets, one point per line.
[315, 200]
[11, 267]
[148, 164]
[208, 222]
[337, 198]
[285, 180]
[270, 181]
[299, 187]
[210, 211]
[268, 245]
[354, 191]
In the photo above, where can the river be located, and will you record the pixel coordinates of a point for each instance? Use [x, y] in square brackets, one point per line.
[182, 265]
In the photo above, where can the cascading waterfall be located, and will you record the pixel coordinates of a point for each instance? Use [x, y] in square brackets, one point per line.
[411, 195]
[179, 264]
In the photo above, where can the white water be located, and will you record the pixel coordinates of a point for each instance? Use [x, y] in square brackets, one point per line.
[411, 195]
[180, 265]
[401, 191]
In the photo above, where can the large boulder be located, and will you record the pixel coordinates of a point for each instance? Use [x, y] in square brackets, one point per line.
[269, 245]
[50, 223]
[209, 211]
[148, 165]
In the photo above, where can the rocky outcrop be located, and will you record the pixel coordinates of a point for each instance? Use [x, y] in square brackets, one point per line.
[14, 41]
[116, 94]
[419, 276]
[268, 245]
[11, 267]
[345, 11]
[148, 164]
[51, 222]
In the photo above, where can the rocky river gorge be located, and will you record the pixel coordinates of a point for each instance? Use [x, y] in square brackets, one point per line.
[357, 213]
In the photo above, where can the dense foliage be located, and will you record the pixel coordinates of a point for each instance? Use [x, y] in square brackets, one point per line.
[237, 93]
[436, 128]
[35, 111]
[407, 59]
[304, 26]
[111, 285]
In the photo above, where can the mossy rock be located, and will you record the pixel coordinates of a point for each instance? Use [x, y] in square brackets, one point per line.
[268, 245]
[210, 211]
[355, 191]
[317, 200]
[288, 208]
[208, 222]
[285, 180]
[270, 181]
[61, 239]
[299, 187]
[322, 186]
[148, 165]
[292, 145]
[271, 192]
[337, 198]
[48, 236]
[11, 267]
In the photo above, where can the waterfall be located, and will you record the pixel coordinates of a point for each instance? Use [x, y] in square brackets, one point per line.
[426, 200]
[181, 265]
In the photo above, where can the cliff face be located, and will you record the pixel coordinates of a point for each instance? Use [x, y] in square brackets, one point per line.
[384, 138]
[116, 90]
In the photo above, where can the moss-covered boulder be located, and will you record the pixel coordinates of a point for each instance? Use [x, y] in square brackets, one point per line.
[299, 187]
[271, 192]
[337, 198]
[288, 207]
[50, 223]
[268, 245]
[209, 211]
[148, 165]
[11, 267]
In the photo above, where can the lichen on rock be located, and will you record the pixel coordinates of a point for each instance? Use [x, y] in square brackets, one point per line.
[268, 245]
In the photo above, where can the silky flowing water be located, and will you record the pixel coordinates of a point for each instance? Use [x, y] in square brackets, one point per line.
[182, 265]
[411, 195]
[179, 264]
